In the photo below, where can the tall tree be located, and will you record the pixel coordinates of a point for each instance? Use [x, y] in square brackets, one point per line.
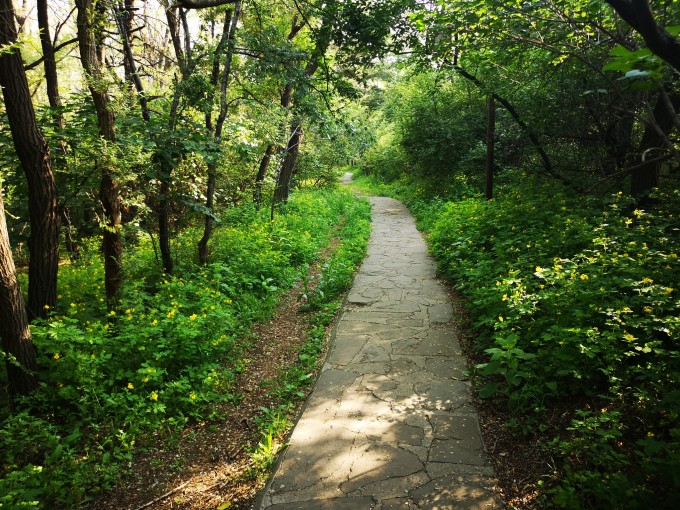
[91, 22]
[227, 45]
[22, 369]
[34, 155]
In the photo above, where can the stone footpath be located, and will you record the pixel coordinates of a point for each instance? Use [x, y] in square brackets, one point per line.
[389, 424]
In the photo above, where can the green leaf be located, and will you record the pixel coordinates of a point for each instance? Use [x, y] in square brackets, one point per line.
[488, 390]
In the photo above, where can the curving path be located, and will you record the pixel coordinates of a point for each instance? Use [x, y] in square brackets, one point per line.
[389, 424]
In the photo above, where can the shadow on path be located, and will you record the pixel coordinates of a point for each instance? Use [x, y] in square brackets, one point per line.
[389, 424]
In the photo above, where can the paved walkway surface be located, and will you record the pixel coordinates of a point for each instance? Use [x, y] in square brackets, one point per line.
[389, 424]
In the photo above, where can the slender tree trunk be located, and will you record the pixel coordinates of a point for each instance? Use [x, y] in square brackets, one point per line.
[89, 16]
[123, 15]
[34, 155]
[49, 62]
[230, 24]
[262, 173]
[22, 369]
[283, 181]
[490, 132]
[164, 222]
[647, 172]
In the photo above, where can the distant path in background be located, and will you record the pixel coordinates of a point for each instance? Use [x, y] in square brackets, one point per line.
[389, 424]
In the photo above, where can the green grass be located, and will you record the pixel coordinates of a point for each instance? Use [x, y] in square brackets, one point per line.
[166, 357]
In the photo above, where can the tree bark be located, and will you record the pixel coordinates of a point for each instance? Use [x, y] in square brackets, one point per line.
[262, 173]
[647, 172]
[34, 155]
[638, 14]
[283, 181]
[22, 369]
[230, 24]
[89, 17]
[490, 132]
[123, 15]
[49, 63]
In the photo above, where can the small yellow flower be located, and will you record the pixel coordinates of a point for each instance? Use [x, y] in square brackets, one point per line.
[146, 379]
[584, 276]
[112, 313]
[73, 305]
[193, 395]
[629, 337]
[193, 317]
[668, 290]
[154, 322]
[56, 355]
[650, 434]
[153, 396]
[500, 318]
[131, 386]
[638, 213]
[647, 309]
[46, 307]
[646, 281]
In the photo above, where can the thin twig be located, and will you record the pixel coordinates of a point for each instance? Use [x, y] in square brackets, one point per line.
[162, 497]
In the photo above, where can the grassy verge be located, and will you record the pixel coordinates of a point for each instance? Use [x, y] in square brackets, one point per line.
[163, 360]
[323, 300]
[575, 305]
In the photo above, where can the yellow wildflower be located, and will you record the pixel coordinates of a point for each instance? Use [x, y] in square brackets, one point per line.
[193, 317]
[629, 337]
[56, 355]
[131, 386]
[647, 309]
[646, 281]
[153, 396]
[584, 276]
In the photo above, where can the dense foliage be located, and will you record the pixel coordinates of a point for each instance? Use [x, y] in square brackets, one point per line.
[172, 352]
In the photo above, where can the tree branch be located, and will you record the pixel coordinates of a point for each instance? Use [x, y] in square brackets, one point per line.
[638, 14]
[200, 4]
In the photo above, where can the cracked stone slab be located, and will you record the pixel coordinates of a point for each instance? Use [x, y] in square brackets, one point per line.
[390, 422]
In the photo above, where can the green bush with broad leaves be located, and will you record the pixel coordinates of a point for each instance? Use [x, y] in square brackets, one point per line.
[165, 357]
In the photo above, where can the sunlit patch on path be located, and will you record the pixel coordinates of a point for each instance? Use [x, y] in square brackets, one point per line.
[390, 424]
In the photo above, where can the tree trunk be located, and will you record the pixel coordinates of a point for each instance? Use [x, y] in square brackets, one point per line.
[647, 172]
[22, 369]
[49, 63]
[89, 14]
[490, 131]
[164, 222]
[283, 180]
[230, 24]
[262, 173]
[34, 155]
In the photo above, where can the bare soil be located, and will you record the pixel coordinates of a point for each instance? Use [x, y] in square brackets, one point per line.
[207, 466]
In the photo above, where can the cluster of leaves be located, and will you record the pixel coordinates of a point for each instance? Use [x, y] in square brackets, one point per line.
[577, 302]
[167, 357]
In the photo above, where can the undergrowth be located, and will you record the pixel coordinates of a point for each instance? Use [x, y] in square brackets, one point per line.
[166, 356]
[322, 301]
